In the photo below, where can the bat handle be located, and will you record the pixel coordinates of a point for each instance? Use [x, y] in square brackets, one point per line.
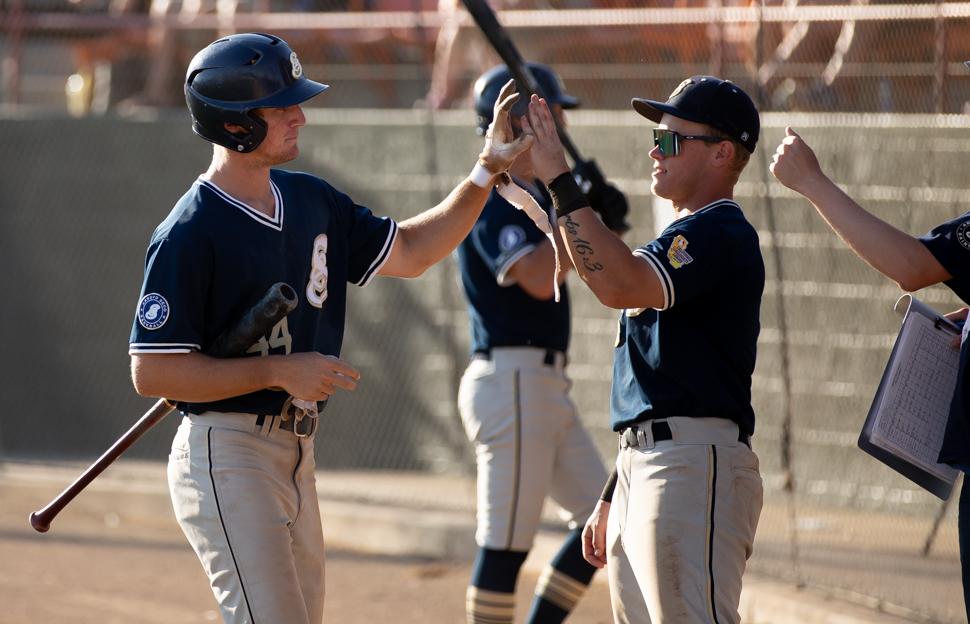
[568, 145]
[41, 520]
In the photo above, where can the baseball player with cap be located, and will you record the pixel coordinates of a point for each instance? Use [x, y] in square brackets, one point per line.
[241, 472]
[676, 522]
[514, 396]
[942, 255]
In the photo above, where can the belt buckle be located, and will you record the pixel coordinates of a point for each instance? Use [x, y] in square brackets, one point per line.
[302, 425]
[311, 426]
[634, 436]
[631, 437]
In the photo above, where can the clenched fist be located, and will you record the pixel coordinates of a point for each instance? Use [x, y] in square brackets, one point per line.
[794, 163]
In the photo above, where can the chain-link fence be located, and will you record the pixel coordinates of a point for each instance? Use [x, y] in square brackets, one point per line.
[92, 56]
[99, 149]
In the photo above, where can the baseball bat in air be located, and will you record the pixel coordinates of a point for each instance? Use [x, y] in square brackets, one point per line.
[278, 301]
[500, 40]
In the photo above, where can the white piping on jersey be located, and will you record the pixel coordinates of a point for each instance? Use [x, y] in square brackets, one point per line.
[667, 284]
[382, 257]
[502, 277]
[275, 222]
[717, 204]
[162, 347]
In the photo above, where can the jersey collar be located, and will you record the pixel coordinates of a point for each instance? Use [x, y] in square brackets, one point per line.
[276, 222]
[719, 203]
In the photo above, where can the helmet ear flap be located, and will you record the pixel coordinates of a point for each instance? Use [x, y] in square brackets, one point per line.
[253, 132]
[208, 121]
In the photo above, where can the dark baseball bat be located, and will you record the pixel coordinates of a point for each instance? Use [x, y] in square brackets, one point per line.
[278, 301]
[500, 40]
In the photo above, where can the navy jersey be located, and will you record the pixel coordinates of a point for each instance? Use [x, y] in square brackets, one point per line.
[950, 245]
[501, 313]
[695, 355]
[214, 257]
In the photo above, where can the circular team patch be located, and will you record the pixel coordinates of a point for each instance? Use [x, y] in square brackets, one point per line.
[152, 311]
[510, 237]
[963, 236]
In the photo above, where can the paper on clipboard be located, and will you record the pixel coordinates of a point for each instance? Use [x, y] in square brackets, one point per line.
[909, 414]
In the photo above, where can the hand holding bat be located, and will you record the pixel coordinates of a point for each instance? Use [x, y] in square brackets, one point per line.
[278, 301]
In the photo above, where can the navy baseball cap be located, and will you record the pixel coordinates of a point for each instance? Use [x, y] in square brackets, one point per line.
[711, 101]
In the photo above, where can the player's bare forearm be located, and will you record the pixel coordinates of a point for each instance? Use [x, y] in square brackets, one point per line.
[894, 253]
[199, 378]
[617, 278]
[427, 238]
[602, 260]
[535, 271]
[594, 535]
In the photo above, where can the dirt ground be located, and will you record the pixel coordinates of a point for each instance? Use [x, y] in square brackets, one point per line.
[90, 570]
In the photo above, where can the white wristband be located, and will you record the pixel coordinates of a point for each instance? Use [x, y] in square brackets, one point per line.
[480, 176]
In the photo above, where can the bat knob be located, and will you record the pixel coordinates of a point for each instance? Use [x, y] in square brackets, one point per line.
[38, 523]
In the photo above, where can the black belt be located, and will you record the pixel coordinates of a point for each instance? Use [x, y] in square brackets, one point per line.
[661, 431]
[302, 429]
[549, 359]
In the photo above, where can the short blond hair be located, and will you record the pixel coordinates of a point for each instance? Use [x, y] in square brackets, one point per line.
[741, 153]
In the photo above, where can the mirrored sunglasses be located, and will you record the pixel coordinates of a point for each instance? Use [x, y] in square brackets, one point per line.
[669, 141]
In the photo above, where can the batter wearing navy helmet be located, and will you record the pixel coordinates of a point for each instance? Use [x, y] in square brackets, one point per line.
[514, 396]
[241, 472]
[676, 522]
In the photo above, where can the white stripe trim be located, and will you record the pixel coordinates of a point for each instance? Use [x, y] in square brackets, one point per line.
[149, 347]
[666, 284]
[717, 204]
[502, 277]
[382, 257]
[276, 222]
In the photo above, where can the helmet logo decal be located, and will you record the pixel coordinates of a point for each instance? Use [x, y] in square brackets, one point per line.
[297, 68]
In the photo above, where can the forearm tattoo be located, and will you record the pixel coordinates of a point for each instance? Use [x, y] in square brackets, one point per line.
[581, 247]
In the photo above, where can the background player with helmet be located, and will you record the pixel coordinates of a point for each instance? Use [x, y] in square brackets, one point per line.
[607, 200]
[241, 470]
[688, 493]
[513, 397]
[939, 256]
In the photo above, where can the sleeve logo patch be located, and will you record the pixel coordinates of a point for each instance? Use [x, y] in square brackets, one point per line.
[963, 236]
[152, 311]
[677, 254]
[510, 237]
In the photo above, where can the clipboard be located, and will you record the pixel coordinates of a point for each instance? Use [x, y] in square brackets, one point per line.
[905, 424]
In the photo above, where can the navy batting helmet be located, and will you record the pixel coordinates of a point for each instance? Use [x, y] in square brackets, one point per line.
[489, 84]
[232, 76]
